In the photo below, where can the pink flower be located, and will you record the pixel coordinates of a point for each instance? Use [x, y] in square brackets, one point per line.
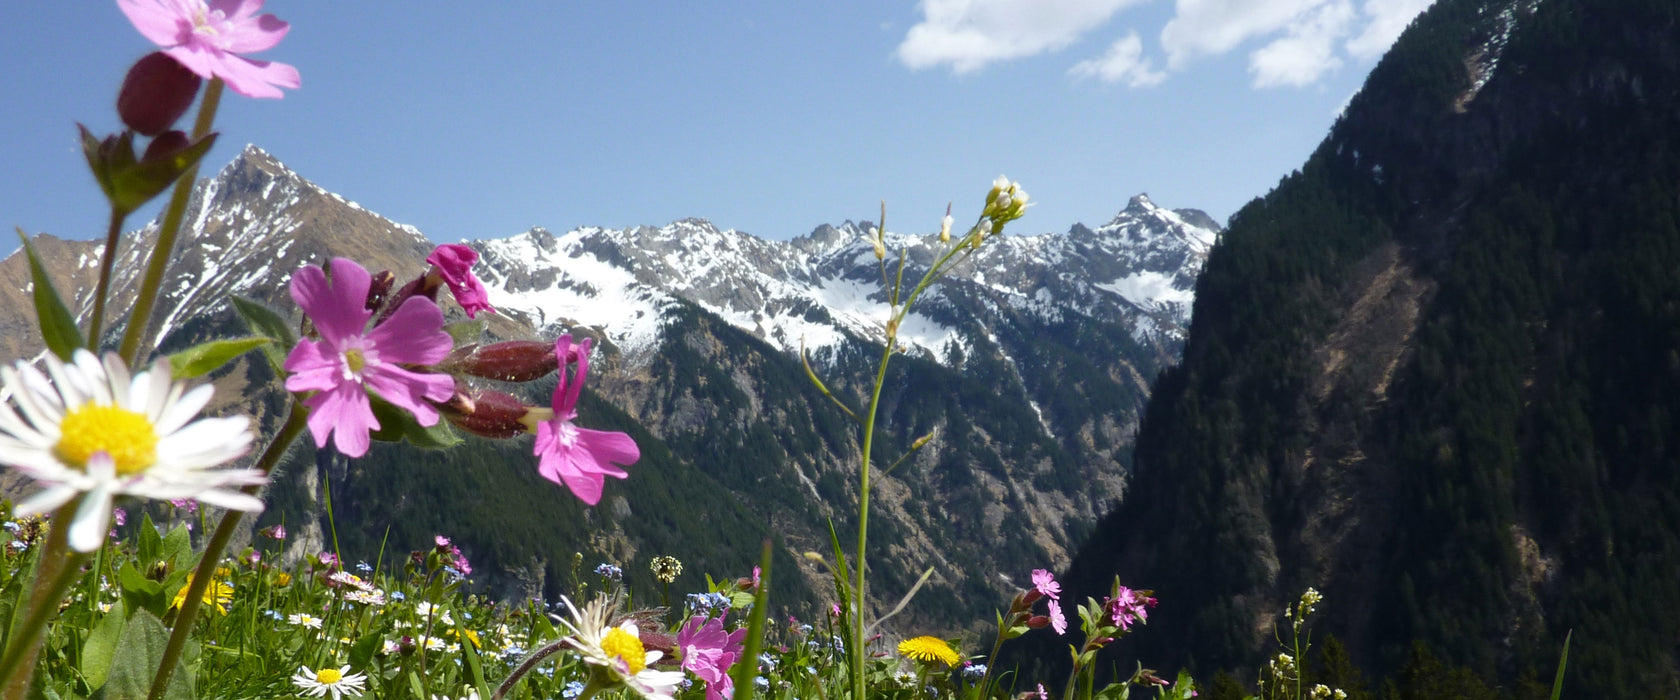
[207, 38]
[708, 652]
[578, 457]
[1045, 583]
[454, 264]
[349, 360]
[1128, 607]
[1058, 619]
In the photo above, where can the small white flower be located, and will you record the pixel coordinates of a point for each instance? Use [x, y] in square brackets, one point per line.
[339, 682]
[92, 429]
[304, 620]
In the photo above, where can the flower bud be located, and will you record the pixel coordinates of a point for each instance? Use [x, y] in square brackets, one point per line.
[509, 361]
[1038, 622]
[486, 413]
[166, 144]
[157, 91]
[945, 226]
[379, 288]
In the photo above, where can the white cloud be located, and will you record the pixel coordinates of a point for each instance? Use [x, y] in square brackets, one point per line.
[1212, 27]
[1388, 19]
[1124, 62]
[967, 35]
[1308, 52]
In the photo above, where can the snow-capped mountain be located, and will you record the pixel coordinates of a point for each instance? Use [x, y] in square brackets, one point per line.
[1029, 365]
[814, 291]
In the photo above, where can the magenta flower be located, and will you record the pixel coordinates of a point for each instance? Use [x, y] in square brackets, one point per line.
[1045, 583]
[454, 264]
[207, 38]
[1058, 619]
[708, 652]
[349, 360]
[578, 457]
[1128, 607]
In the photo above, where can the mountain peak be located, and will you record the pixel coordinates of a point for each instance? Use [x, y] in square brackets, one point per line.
[1140, 204]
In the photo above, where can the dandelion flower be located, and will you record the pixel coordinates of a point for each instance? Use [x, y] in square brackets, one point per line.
[618, 650]
[218, 594]
[93, 429]
[579, 458]
[928, 649]
[349, 359]
[339, 682]
[207, 38]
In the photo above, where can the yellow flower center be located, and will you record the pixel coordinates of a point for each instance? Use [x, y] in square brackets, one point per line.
[355, 359]
[127, 436]
[328, 676]
[620, 644]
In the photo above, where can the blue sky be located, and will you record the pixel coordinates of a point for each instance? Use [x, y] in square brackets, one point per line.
[480, 120]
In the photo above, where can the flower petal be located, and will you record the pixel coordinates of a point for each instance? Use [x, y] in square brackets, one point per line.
[154, 21]
[314, 367]
[342, 412]
[609, 448]
[338, 308]
[410, 390]
[413, 335]
[93, 515]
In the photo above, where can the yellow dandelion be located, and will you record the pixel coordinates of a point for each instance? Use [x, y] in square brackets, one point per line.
[217, 594]
[926, 649]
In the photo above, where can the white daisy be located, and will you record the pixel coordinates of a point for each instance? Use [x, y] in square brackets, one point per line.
[619, 650]
[304, 620]
[92, 429]
[339, 681]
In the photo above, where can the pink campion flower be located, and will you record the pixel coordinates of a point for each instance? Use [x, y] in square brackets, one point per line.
[207, 37]
[1128, 607]
[453, 263]
[708, 652]
[1045, 583]
[578, 457]
[350, 360]
[1058, 619]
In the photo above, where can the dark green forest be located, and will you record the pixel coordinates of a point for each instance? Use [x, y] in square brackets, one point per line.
[1519, 479]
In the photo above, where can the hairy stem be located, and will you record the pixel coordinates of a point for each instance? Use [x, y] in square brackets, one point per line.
[103, 289]
[140, 319]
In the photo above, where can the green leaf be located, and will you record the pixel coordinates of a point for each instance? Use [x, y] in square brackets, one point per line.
[139, 182]
[746, 668]
[361, 653]
[23, 579]
[465, 332]
[101, 646]
[58, 325]
[177, 548]
[139, 592]
[469, 651]
[1557, 683]
[205, 358]
[139, 652]
[265, 322]
[396, 424]
[151, 543]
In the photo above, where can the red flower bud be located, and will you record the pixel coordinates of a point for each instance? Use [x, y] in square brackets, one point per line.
[157, 91]
[486, 413]
[165, 145]
[510, 361]
[381, 286]
[1038, 622]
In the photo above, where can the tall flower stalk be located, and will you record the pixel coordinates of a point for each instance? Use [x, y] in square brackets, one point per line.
[1005, 202]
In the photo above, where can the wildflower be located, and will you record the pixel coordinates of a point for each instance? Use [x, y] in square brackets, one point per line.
[974, 672]
[304, 620]
[945, 226]
[339, 682]
[1058, 619]
[207, 40]
[708, 652]
[1045, 583]
[1319, 692]
[349, 360]
[371, 598]
[927, 649]
[617, 651]
[1128, 607]
[572, 690]
[578, 457]
[217, 594]
[453, 263]
[95, 430]
[364, 567]
[388, 647]
[665, 568]
[273, 532]
[119, 517]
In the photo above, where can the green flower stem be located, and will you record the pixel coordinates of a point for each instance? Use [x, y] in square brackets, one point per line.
[141, 317]
[899, 312]
[104, 287]
[206, 570]
[59, 568]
